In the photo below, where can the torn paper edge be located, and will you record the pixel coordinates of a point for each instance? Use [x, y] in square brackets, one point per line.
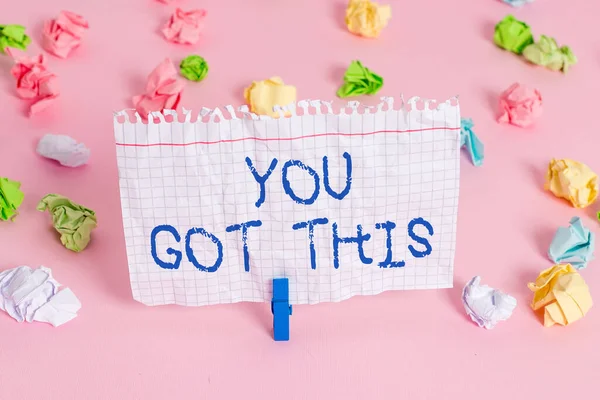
[302, 107]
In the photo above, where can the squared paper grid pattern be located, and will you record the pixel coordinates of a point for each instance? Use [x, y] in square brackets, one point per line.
[404, 165]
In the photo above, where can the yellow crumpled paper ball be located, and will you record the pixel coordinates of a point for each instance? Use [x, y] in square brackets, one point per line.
[573, 181]
[562, 293]
[366, 18]
[262, 96]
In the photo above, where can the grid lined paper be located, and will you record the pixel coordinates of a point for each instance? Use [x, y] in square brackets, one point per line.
[190, 175]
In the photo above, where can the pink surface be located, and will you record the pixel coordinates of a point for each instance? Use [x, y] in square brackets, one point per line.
[399, 345]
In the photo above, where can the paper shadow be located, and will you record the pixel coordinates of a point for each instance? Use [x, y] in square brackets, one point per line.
[338, 14]
[592, 213]
[136, 85]
[454, 296]
[543, 237]
[336, 74]
[491, 99]
[487, 31]
[238, 93]
[112, 273]
[261, 313]
[537, 176]
[524, 295]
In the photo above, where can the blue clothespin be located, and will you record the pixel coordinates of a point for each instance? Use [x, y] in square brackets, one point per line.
[281, 309]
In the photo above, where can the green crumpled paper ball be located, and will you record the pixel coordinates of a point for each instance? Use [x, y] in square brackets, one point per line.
[359, 80]
[512, 35]
[11, 197]
[194, 68]
[73, 221]
[545, 52]
[13, 36]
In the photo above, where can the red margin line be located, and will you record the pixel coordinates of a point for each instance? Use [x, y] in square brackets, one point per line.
[281, 139]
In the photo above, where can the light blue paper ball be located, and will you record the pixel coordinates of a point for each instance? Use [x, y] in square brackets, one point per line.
[517, 3]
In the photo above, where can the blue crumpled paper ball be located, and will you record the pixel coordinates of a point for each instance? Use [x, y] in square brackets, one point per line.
[517, 3]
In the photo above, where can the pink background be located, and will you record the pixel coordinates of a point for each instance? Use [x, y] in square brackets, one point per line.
[398, 345]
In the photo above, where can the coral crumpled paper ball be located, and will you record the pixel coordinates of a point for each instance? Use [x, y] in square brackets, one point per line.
[520, 105]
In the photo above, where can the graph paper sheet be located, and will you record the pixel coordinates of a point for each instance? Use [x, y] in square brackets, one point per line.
[345, 203]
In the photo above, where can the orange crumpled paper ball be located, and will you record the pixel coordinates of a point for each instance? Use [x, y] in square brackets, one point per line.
[163, 90]
[34, 81]
[184, 27]
[64, 34]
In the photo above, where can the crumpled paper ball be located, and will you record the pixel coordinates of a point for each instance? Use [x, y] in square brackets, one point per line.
[573, 245]
[11, 198]
[366, 18]
[573, 181]
[562, 293]
[73, 221]
[64, 34]
[545, 52]
[184, 27]
[517, 3]
[28, 294]
[13, 36]
[34, 81]
[163, 90]
[512, 35]
[359, 80]
[63, 149]
[520, 105]
[262, 96]
[486, 306]
[194, 68]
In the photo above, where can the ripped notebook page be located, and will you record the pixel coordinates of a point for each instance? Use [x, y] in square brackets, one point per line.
[345, 203]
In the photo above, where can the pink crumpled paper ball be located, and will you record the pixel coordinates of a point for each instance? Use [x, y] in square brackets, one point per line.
[184, 26]
[520, 105]
[34, 81]
[163, 90]
[63, 34]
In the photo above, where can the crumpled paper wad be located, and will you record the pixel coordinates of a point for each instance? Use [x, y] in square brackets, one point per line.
[573, 181]
[34, 81]
[563, 295]
[520, 105]
[359, 80]
[573, 245]
[163, 90]
[512, 35]
[546, 53]
[28, 294]
[194, 68]
[486, 306]
[64, 34]
[73, 221]
[262, 96]
[13, 36]
[184, 27]
[11, 198]
[517, 3]
[63, 149]
[469, 139]
[367, 18]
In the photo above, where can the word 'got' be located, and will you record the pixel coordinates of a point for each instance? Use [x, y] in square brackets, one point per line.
[337, 241]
